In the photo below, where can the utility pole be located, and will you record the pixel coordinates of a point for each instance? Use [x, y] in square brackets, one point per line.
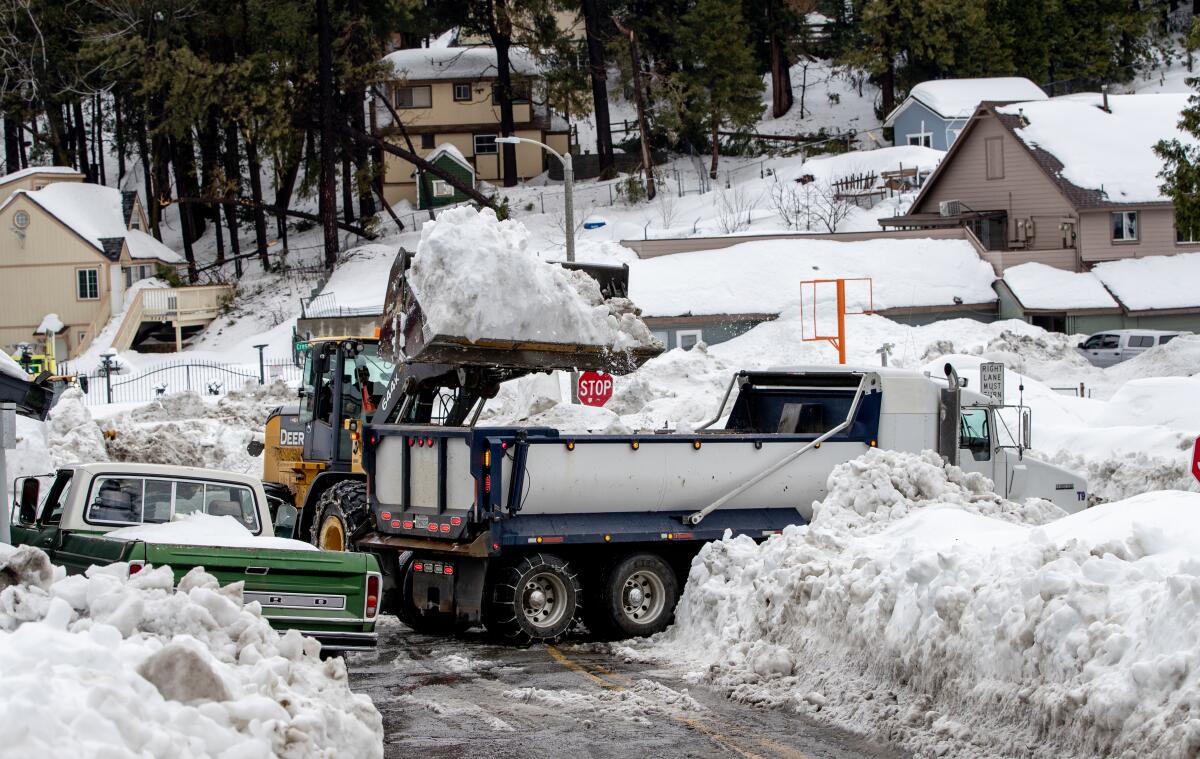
[327, 197]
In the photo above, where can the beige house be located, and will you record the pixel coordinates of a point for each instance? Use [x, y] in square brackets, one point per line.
[445, 96]
[70, 249]
[36, 177]
[1067, 182]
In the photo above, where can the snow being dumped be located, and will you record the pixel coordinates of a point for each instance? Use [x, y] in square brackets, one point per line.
[476, 277]
[110, 664]
[920, 607]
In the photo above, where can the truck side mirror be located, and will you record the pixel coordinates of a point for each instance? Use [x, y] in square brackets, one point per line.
[31, 489]
[1027, 430]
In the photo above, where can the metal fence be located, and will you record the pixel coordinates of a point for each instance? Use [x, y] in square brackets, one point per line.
[208, 378]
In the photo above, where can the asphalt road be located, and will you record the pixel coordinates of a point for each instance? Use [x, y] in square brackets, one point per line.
[466, 697]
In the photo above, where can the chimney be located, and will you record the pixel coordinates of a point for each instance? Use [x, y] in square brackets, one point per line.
[1104, 98]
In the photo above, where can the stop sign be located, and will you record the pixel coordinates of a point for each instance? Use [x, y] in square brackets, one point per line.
[1196, 460]
[595, 388]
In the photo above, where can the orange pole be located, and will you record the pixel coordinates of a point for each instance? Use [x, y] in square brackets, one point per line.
[841, 311]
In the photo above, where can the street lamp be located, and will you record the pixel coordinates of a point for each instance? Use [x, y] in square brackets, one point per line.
[568, 182]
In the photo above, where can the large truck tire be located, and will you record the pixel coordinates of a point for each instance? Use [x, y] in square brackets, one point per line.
[636, 597]
[534, 598]
[424, 622]
[341, 510]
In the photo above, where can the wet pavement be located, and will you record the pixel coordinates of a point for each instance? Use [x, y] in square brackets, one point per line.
[466, 697]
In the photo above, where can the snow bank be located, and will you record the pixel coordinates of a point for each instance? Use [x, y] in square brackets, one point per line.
[207, 530]
[1041, 286]
[475, 277]
[1153, 281]
[920, 607]
[11, 368]
[1112, 152]
[112, 665]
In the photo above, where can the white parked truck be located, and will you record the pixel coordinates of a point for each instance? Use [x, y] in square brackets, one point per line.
[524, 529]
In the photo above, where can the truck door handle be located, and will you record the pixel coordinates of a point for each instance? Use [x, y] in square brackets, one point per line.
[257, 570]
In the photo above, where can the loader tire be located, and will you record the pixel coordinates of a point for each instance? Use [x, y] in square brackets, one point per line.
[341, 512]
[637, 597]
[533, 599]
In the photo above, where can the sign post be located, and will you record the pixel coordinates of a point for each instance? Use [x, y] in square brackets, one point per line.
[991, 380]
[594, 388]
[1196, 459]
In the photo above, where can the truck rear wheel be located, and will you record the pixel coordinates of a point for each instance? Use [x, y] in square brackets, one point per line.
[535, 598]
[637, 597]
[341, 510]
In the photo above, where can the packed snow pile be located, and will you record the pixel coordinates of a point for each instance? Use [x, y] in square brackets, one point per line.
[51, 325]
[920, 606]
[200, 529]
[11, 368]
[476, 277]
[109, 664]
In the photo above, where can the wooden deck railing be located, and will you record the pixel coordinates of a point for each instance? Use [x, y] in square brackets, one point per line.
[179, 305]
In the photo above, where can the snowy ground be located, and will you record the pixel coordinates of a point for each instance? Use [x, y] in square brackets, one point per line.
[111, 665]
[921, 608]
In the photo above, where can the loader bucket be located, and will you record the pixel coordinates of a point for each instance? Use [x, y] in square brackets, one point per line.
[406, 336]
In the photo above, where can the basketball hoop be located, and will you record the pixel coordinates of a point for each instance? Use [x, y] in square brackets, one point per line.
[830, 305]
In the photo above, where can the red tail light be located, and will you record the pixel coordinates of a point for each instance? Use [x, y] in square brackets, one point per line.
[445, 528]
[456, 521]
[386, 515]
[373, 586]
[448, 570]
[418, 567]
[487, 483]
[135, 567]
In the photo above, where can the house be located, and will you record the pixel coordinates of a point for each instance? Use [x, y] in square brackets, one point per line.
[1067, 182]
[446, 96]
[71, 248]
[935, 112]
[433, 192]
[36, 177]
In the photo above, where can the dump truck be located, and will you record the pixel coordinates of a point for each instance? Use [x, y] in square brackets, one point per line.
[527, 529]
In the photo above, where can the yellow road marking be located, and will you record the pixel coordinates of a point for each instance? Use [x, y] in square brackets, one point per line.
[721, 739]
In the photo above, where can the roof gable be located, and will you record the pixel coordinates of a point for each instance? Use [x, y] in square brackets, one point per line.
[450, 63]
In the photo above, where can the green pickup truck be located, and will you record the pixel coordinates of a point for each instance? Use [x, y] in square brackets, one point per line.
[141, 514]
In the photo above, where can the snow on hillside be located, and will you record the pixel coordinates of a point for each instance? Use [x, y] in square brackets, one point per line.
[110, 664]
[919, 608]
[826, 98]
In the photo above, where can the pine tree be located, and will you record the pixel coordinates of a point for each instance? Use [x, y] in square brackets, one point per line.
[720, 82]
[1181, 163]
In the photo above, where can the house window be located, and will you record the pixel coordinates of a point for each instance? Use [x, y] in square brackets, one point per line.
[1187, 236]
[485, 144]
[87, 284]
[924, 139]
[1124, 226]
[135, 222]
[442, 189]
[21, 219]
[994, 150]
[520, 93]
[414, 97]
[426, 141]
[688, 338]
[462, 92]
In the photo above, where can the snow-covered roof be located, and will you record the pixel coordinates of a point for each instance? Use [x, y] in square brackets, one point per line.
[51, 325]
[958, 98]
[1153, 282]
[423, 63]
[449, 149]
[143, 246]
[1040, 286]
[763, 276]
[93, 211]
[36, 170]
[1105, 151]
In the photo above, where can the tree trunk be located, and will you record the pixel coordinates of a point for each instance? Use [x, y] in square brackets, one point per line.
[148, 184]
[500, 30]
[260, 217]
[210, 162]
[119, 135]
[781, 79]
[12, 144]
[362, 156]
[327, 199]
[347, 188]
[184, 187]
[716, 148]
[183, 159]
[598, 68]
[98, 135]
[639, 96]
[233, 179]
[284, 186]
[81, 142]
[57, 135]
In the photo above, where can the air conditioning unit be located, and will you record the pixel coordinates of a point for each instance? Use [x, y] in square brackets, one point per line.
[950, 207]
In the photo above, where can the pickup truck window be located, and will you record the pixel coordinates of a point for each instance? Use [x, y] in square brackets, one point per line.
[137, 500]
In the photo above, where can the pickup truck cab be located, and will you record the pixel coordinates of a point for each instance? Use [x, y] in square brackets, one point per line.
[333, 597]
[1112, 347]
